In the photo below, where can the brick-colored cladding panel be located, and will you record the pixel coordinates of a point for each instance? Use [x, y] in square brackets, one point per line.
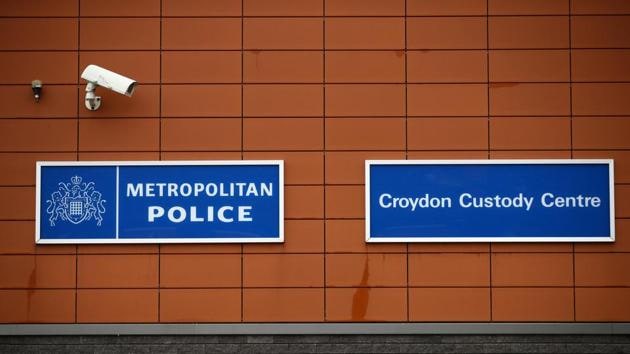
[322, 85]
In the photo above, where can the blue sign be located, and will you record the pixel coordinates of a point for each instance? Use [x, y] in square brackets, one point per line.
[160, 202]
[489, 200]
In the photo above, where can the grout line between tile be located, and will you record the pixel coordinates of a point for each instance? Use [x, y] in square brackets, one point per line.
[242, 146]
[342, 16]
[406, 58]
[72, 50]
[352, 83]
[78, 132]
[159, 248]
[488, 144]
[325, 314]
[571, 141]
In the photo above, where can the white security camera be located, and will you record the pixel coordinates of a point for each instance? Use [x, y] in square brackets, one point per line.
[97, 76]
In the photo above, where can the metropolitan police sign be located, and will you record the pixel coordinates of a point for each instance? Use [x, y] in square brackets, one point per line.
[489, 200]
[159, 202]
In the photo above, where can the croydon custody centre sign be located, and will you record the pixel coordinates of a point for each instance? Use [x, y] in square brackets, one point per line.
[159, 202]
[489, 200]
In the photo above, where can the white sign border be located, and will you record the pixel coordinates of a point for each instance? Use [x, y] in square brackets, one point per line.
[609, 162]
[279, 239]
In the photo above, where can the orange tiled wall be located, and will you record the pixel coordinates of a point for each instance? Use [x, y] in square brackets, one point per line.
[324, 85]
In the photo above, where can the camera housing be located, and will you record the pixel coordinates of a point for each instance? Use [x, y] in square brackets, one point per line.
[36, 86]
[98, 76]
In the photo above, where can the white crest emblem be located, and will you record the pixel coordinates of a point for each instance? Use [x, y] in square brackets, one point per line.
[76, 202]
